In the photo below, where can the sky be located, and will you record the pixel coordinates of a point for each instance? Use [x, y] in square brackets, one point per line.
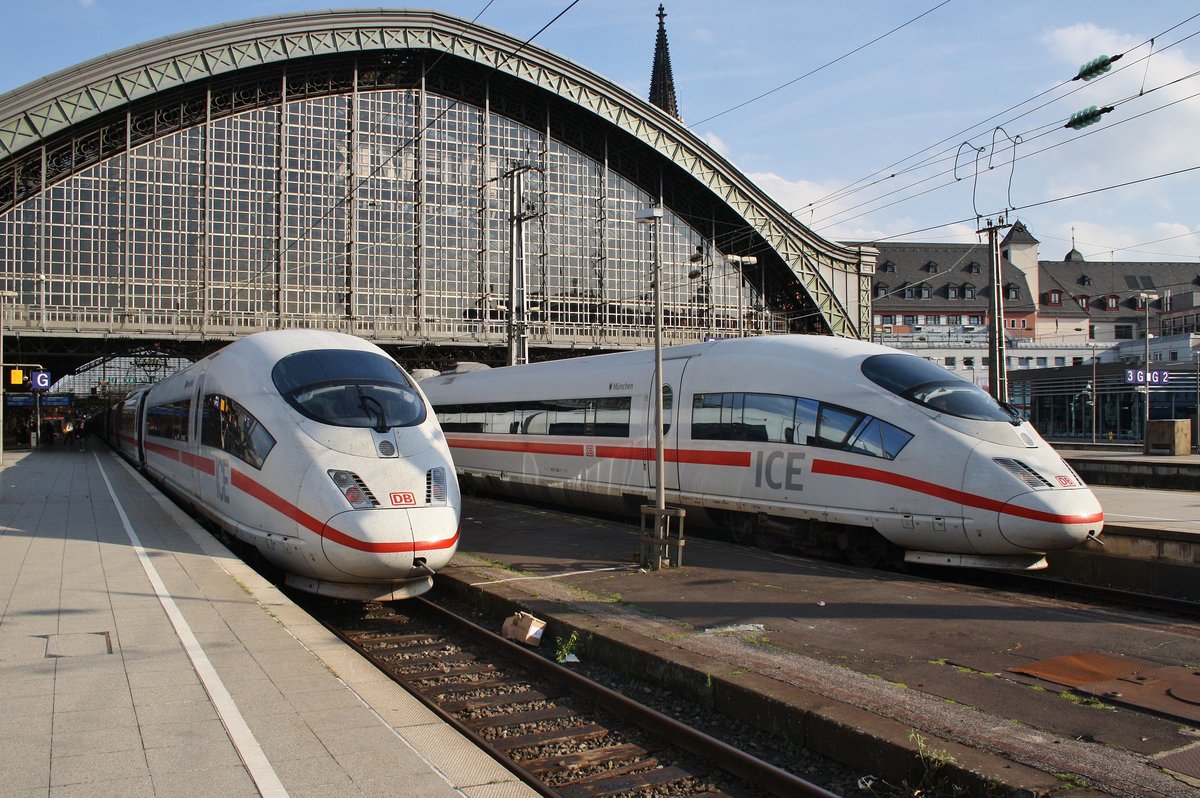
[893, 120]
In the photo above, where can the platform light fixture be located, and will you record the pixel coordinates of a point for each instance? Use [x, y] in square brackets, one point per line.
[1196, 442]
[653, 216]
[1146, 299]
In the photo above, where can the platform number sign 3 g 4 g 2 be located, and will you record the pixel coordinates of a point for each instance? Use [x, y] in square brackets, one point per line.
[40, 380]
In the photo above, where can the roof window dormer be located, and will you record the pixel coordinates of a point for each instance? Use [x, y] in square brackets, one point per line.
[1112, 302]
[974, 268]
[1083, 300]
[931, 267]
[1054, 297]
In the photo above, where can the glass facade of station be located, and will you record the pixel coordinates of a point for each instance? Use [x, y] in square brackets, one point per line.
[332, 195]
[1077, 404]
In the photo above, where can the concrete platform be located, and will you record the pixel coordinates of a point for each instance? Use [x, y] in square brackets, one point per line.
[138, 657]
[892, 674]
[1127, 467]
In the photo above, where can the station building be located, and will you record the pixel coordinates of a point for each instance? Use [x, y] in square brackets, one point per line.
[1077, 333]
[440, 188]
[453, 193]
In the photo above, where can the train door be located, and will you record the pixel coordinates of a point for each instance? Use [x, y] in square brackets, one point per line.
[672, 378]
[201, 482]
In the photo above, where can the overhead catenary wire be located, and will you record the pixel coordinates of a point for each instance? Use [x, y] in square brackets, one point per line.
[815, 70]
[1007, 120]
[1027, 137]
[295, 242]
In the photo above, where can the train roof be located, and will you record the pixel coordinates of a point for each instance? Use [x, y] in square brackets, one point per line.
[820, 352]
[257, 354]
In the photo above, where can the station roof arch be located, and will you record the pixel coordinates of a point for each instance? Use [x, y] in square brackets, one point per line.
[834, 277]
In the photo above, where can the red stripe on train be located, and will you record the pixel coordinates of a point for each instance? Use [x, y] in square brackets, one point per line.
[833, 468]
[257, 490]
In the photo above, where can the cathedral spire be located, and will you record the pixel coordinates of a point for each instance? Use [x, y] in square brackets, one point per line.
[662, 82]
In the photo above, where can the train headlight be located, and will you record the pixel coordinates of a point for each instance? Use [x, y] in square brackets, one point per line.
[353, 489]
[435, 486]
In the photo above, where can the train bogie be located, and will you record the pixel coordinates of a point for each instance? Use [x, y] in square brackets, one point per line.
[823, 443]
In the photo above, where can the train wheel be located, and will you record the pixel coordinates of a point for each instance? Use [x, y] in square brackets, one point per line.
[769, 539]
[742, 529]
[866, 549]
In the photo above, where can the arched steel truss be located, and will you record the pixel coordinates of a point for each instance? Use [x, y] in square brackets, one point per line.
[836, 278]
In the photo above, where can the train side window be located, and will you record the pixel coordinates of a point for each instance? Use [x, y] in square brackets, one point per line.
[226, 425]
[603, 417]
[878, 439]
[169, 420]
[894, 439]
[769, 417]
[805, 423]
[611, 416]
[867, 438]
[835, 424]
[756, 417]
[667, 401]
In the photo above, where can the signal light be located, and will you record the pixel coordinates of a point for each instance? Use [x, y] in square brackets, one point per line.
[1088, 116]
[352, 488]
[1096, 67]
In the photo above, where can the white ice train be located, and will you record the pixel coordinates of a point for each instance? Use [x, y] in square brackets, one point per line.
[315, 448]
[829, 444]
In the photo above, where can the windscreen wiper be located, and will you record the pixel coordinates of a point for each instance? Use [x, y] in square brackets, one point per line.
[365, 403]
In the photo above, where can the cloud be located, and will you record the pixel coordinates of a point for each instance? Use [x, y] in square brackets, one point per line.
[813, 204]
[1145, 134]
[716, 142]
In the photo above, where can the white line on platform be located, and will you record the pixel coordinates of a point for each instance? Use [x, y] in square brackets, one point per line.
[243, 739]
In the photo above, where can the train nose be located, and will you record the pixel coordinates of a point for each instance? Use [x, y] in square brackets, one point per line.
[390, 543]
[1047, 520]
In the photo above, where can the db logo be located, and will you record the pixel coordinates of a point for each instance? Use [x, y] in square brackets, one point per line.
[1066, 482]
[405, 499]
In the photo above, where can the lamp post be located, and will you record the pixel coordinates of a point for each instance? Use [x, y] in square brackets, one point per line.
[1093, 346]
[1146, 298]
[653, 216]
[1196, 357]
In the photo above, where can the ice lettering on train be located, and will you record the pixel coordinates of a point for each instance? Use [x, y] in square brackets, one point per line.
[779, 470]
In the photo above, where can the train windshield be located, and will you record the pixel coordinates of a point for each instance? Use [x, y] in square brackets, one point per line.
[348, 388]
[925, 383]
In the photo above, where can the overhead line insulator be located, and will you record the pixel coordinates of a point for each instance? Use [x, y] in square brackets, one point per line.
[1088, 116]
[1096, 67]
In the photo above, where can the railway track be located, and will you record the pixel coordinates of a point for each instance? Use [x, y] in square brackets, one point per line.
[564, 735]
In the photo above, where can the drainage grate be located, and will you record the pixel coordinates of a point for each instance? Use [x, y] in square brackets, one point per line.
[1087, 667]
[78, 644]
